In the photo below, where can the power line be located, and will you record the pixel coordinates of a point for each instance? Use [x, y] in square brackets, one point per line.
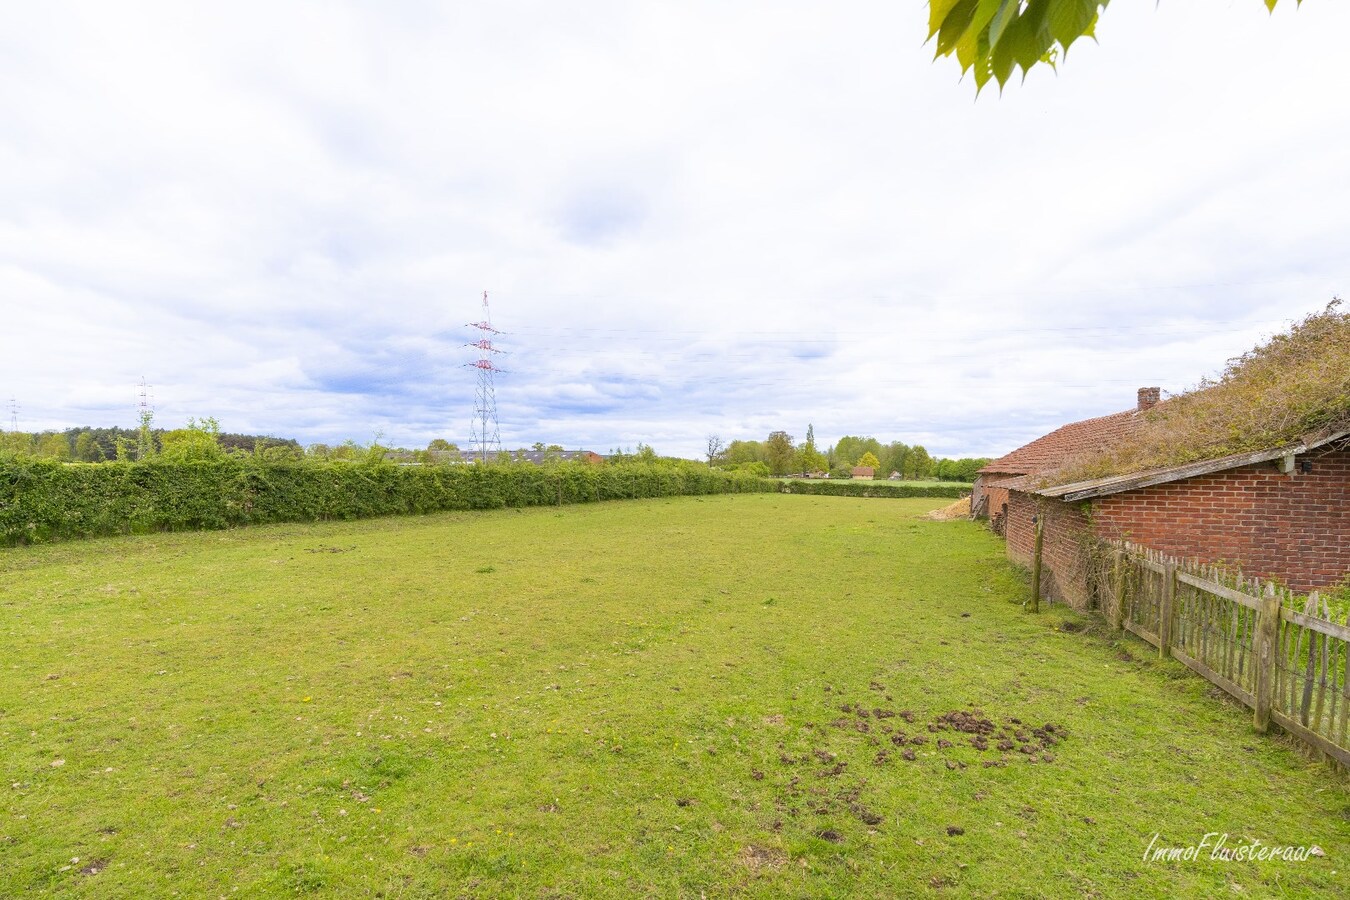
[485, 433]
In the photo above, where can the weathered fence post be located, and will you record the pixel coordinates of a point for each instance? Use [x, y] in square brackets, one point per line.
[1165, 610]
[1267, 621]
[1036, 567]
[1309, 609]
[1118, 614]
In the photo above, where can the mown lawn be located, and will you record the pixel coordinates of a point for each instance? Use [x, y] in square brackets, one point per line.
[637, 698]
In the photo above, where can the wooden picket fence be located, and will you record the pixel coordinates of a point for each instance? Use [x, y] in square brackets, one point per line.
[1244, 635]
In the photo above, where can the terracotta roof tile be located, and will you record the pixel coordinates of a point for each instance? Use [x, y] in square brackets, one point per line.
[1052, 450]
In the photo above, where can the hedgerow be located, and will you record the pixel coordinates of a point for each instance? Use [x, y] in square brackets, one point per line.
[872, 488]
[43, 500]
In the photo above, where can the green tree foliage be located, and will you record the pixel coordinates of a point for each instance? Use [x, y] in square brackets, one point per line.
[810, 459]
[442, 444]
[870, 460]
[850, 449]
[198, 442]
[16, 442]
[918, 464]
[780, 452]
[738, 452]
[87, 449]
[893, 458]
[964, 469]
[992, 37]
[54, 445]
[145, 436]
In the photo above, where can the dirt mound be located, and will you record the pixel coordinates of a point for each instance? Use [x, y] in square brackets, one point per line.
[958, 510]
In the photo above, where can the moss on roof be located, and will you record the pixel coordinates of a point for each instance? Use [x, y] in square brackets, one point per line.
[1293, 385]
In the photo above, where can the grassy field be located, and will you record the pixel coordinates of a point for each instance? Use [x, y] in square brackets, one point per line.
[727, 696]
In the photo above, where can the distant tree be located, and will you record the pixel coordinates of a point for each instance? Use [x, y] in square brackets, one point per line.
[850, 449]
[87, 449]
[919, 464]
[738, 452]
[442, 445]
[198, 442]
[841, 472]
[16, 442]
[715, 449]
[779, 453]
[870, 460]
[645, 453]
[893, 457]
[53, 445]
[809, 459]
[145, 438]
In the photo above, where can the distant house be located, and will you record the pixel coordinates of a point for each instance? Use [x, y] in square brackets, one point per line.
[895, 476]
[864, 472]
[1280, 512]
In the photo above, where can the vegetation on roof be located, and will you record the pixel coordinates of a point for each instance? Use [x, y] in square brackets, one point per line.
[1293, 385]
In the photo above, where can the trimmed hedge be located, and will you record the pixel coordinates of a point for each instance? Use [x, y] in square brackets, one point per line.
[870, 488]
[42, 500]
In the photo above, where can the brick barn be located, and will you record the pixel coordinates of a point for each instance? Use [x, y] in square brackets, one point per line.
[1282, 512]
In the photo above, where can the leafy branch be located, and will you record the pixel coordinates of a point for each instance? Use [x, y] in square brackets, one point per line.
[992, 37]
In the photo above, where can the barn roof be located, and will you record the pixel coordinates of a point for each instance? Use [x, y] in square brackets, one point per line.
[1052, 450]
[1133, 481]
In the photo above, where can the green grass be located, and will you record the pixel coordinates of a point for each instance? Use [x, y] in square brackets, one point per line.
[607, 700]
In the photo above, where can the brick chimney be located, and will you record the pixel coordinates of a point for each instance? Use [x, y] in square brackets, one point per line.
[1149, 397]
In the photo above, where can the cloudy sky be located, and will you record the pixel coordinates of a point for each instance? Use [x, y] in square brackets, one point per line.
[691, 218]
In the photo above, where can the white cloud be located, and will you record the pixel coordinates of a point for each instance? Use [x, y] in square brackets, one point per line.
[692, 218]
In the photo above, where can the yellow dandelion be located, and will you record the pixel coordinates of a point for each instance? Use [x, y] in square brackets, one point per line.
[499, 831]
[454, 840]
[306, 699]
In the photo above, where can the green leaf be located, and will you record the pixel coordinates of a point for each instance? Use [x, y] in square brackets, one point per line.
[1071, 19]
[1008, 11]
[955, 25]
[937, 14]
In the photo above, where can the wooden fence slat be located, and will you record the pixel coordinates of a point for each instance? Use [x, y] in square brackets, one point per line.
[1345, 691]
[1263, 657]
[1309, 676]
[1335, 629]
[1169, 598]
[1213, 677]
[1288, 723]
[1214, 587]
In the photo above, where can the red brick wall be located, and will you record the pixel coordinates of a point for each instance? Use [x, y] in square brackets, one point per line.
[1292, 527]
[994, 497]
[1063, 574]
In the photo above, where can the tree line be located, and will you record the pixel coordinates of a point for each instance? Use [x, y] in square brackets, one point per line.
[780, 454]
[202, 439]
